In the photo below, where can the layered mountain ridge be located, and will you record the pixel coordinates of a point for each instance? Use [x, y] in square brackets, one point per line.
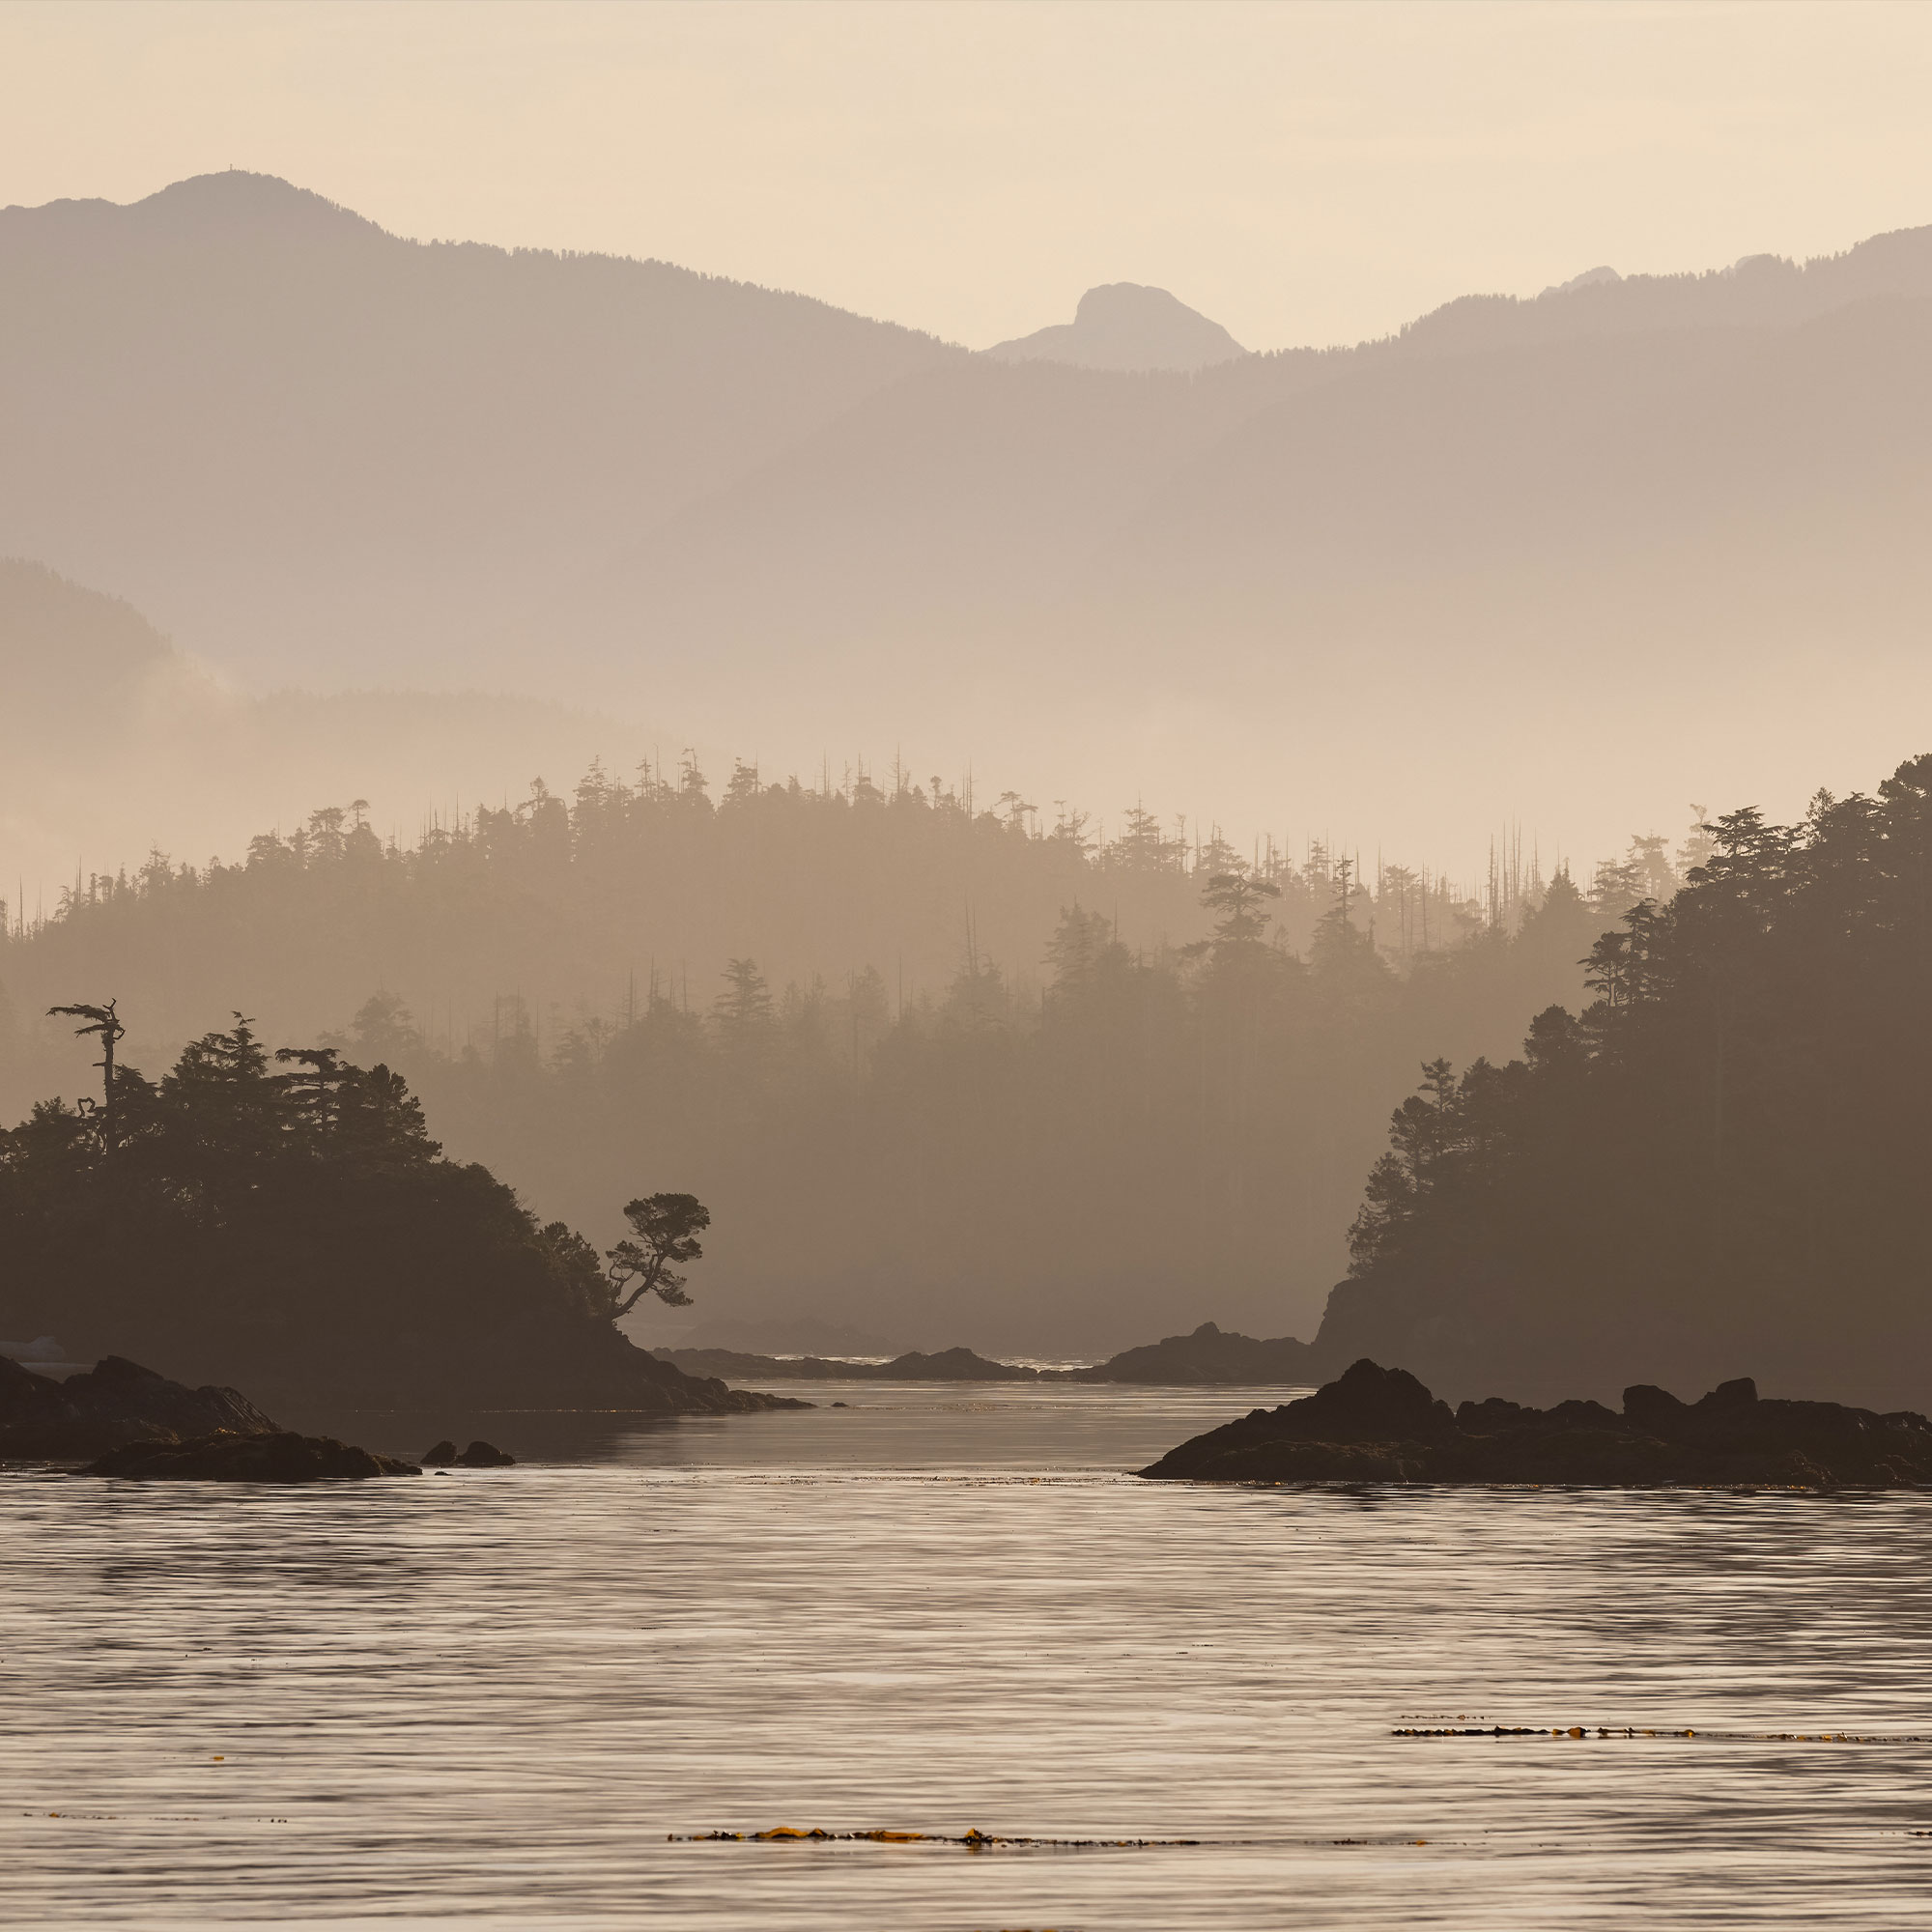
[319, 454]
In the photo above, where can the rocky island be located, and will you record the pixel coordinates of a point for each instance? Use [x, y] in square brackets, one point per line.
[1209, 1357]
[1376, 1425]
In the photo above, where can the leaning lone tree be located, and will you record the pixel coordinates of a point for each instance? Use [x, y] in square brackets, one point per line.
[665, 1228]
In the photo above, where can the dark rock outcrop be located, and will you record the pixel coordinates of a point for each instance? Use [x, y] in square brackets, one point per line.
[115, 1401]
[1381, 1425]
[225, 1457]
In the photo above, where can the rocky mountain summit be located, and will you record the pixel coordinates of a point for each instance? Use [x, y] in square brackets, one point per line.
[1127, 326]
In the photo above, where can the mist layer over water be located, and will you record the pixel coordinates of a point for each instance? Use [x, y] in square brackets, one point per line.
[496, 1694]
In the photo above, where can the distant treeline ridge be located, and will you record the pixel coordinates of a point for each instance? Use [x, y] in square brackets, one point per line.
[1167, 1094]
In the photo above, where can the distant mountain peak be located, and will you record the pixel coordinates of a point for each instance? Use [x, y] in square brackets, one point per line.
[1588, 279]
[1126, 326]
[234, 197]
[233, 203]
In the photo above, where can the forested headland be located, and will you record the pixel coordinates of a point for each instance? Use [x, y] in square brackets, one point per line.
[286, 1222]
[946, 1071]
[1719, 1169]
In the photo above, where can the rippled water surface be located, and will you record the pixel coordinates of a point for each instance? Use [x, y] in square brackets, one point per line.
[495, 1694]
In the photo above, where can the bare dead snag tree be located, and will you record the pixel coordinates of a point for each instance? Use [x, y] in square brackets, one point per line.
[99, 1020]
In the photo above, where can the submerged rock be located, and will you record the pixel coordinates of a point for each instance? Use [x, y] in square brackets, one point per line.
[1381, 1425]
[225, 1457]
[115, 1401]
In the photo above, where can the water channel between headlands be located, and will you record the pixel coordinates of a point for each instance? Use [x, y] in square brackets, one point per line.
[518, 1694]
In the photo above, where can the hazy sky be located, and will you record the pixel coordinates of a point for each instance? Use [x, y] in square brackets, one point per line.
[1301, 173]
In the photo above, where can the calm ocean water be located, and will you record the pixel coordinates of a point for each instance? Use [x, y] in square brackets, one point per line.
[494, 1695]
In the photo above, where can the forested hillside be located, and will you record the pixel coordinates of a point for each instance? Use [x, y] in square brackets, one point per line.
[943, 1072]
[1718, 1170]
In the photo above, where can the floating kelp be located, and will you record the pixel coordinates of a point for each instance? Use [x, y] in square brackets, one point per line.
[976, 1841]
[1623, 1731]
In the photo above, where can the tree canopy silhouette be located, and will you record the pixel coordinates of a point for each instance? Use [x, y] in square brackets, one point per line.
[1724, 1158]
[851, 1017]
[665, 1228]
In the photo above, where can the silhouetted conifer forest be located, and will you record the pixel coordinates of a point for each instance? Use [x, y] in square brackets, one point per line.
[287, 1222]
[1723, 1163]
[944, 1072]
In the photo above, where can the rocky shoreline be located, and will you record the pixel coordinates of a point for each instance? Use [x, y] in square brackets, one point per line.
[124, 1419]
[114, 1403]
[279, 1456]
[1376, 1425]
